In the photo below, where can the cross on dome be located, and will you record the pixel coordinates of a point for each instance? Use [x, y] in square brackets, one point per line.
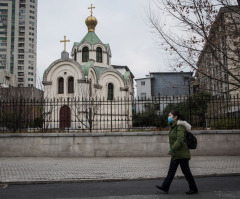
[65, 41]
[91, 9]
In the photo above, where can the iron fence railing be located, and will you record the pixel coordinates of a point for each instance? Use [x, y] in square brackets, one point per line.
[100, 115]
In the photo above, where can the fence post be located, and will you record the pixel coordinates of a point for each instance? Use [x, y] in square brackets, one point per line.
[111, 114]
[190, 109]
[70, 116]
[160, 128]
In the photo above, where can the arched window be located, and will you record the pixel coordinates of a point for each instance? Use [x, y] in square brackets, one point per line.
[75, 55]
[60, 85]
[85, 54]
[110, 91]
[99, 54]
[70, 85]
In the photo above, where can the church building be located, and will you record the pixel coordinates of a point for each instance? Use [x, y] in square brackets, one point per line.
[80, 83]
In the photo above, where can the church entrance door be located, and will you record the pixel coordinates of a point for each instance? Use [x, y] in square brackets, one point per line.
[65, 117]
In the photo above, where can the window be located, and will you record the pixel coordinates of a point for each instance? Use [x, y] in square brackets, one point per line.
[85, 54]
[142, 83]
[143, 95]
[71, 85]
[75, 55]
[107, 59]
[60, 85]
[110, 91]
[3, 4]
[99, 55]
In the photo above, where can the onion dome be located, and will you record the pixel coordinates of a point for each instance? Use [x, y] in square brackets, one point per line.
[91, 23]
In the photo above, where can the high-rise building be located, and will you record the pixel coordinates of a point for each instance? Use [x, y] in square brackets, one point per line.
[18, 43]
[219, 59]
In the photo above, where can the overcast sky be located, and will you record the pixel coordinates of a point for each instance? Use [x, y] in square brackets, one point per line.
[121, 23]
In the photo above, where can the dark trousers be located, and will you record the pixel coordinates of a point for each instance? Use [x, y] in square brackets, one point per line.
[184, 164]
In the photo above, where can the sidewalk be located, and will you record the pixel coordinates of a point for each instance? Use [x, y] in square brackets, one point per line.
[47, 170]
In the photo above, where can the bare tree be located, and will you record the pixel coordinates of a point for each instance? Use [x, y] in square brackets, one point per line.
[201, 37]
[87, 108]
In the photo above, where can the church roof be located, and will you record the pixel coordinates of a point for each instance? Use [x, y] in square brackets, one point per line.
[100, 70]
[126, 76]
[87, 66]
[91, 38]
[125, 67]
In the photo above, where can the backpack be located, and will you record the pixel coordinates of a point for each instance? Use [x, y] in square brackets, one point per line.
[191, 140]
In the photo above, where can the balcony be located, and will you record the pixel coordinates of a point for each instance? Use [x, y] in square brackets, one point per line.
[22, 40]
[20, 62]
[21, 74]
[22, 5]
[20, 68]
[21, 45]
[20, 79]
[21, 57]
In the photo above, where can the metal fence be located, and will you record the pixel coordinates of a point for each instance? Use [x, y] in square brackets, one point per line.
[102, 115]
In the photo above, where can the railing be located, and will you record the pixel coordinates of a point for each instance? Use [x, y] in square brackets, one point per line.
[102, 115]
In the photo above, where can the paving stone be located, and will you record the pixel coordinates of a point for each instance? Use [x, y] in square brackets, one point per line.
[29, 169]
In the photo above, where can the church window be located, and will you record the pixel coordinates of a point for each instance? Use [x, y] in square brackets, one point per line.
[85, 54]
[110, 91]
[60, 85]
[107, 59]
[75, 55]
[71, 85]
[99, 54]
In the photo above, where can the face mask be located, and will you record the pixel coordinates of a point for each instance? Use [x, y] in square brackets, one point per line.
[170, 119]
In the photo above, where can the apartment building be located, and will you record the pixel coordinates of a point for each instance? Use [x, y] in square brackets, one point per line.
[220, 57]
[164, 84]
[18, 43]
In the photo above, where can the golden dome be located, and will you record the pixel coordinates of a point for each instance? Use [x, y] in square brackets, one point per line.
[91, 23]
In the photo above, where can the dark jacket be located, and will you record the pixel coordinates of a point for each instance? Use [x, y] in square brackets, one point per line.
[177, 140]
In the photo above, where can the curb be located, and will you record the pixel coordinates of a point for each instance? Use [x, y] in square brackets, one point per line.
[106, 180]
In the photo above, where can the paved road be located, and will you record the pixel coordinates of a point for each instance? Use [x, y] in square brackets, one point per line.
[209, 187]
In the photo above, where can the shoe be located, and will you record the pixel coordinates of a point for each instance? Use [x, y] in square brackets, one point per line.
[161, 188]
[191, 192]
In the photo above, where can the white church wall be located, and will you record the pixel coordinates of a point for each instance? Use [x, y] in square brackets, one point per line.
[117, 82]
[64, 70]
[92, 54]
[92, 75]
